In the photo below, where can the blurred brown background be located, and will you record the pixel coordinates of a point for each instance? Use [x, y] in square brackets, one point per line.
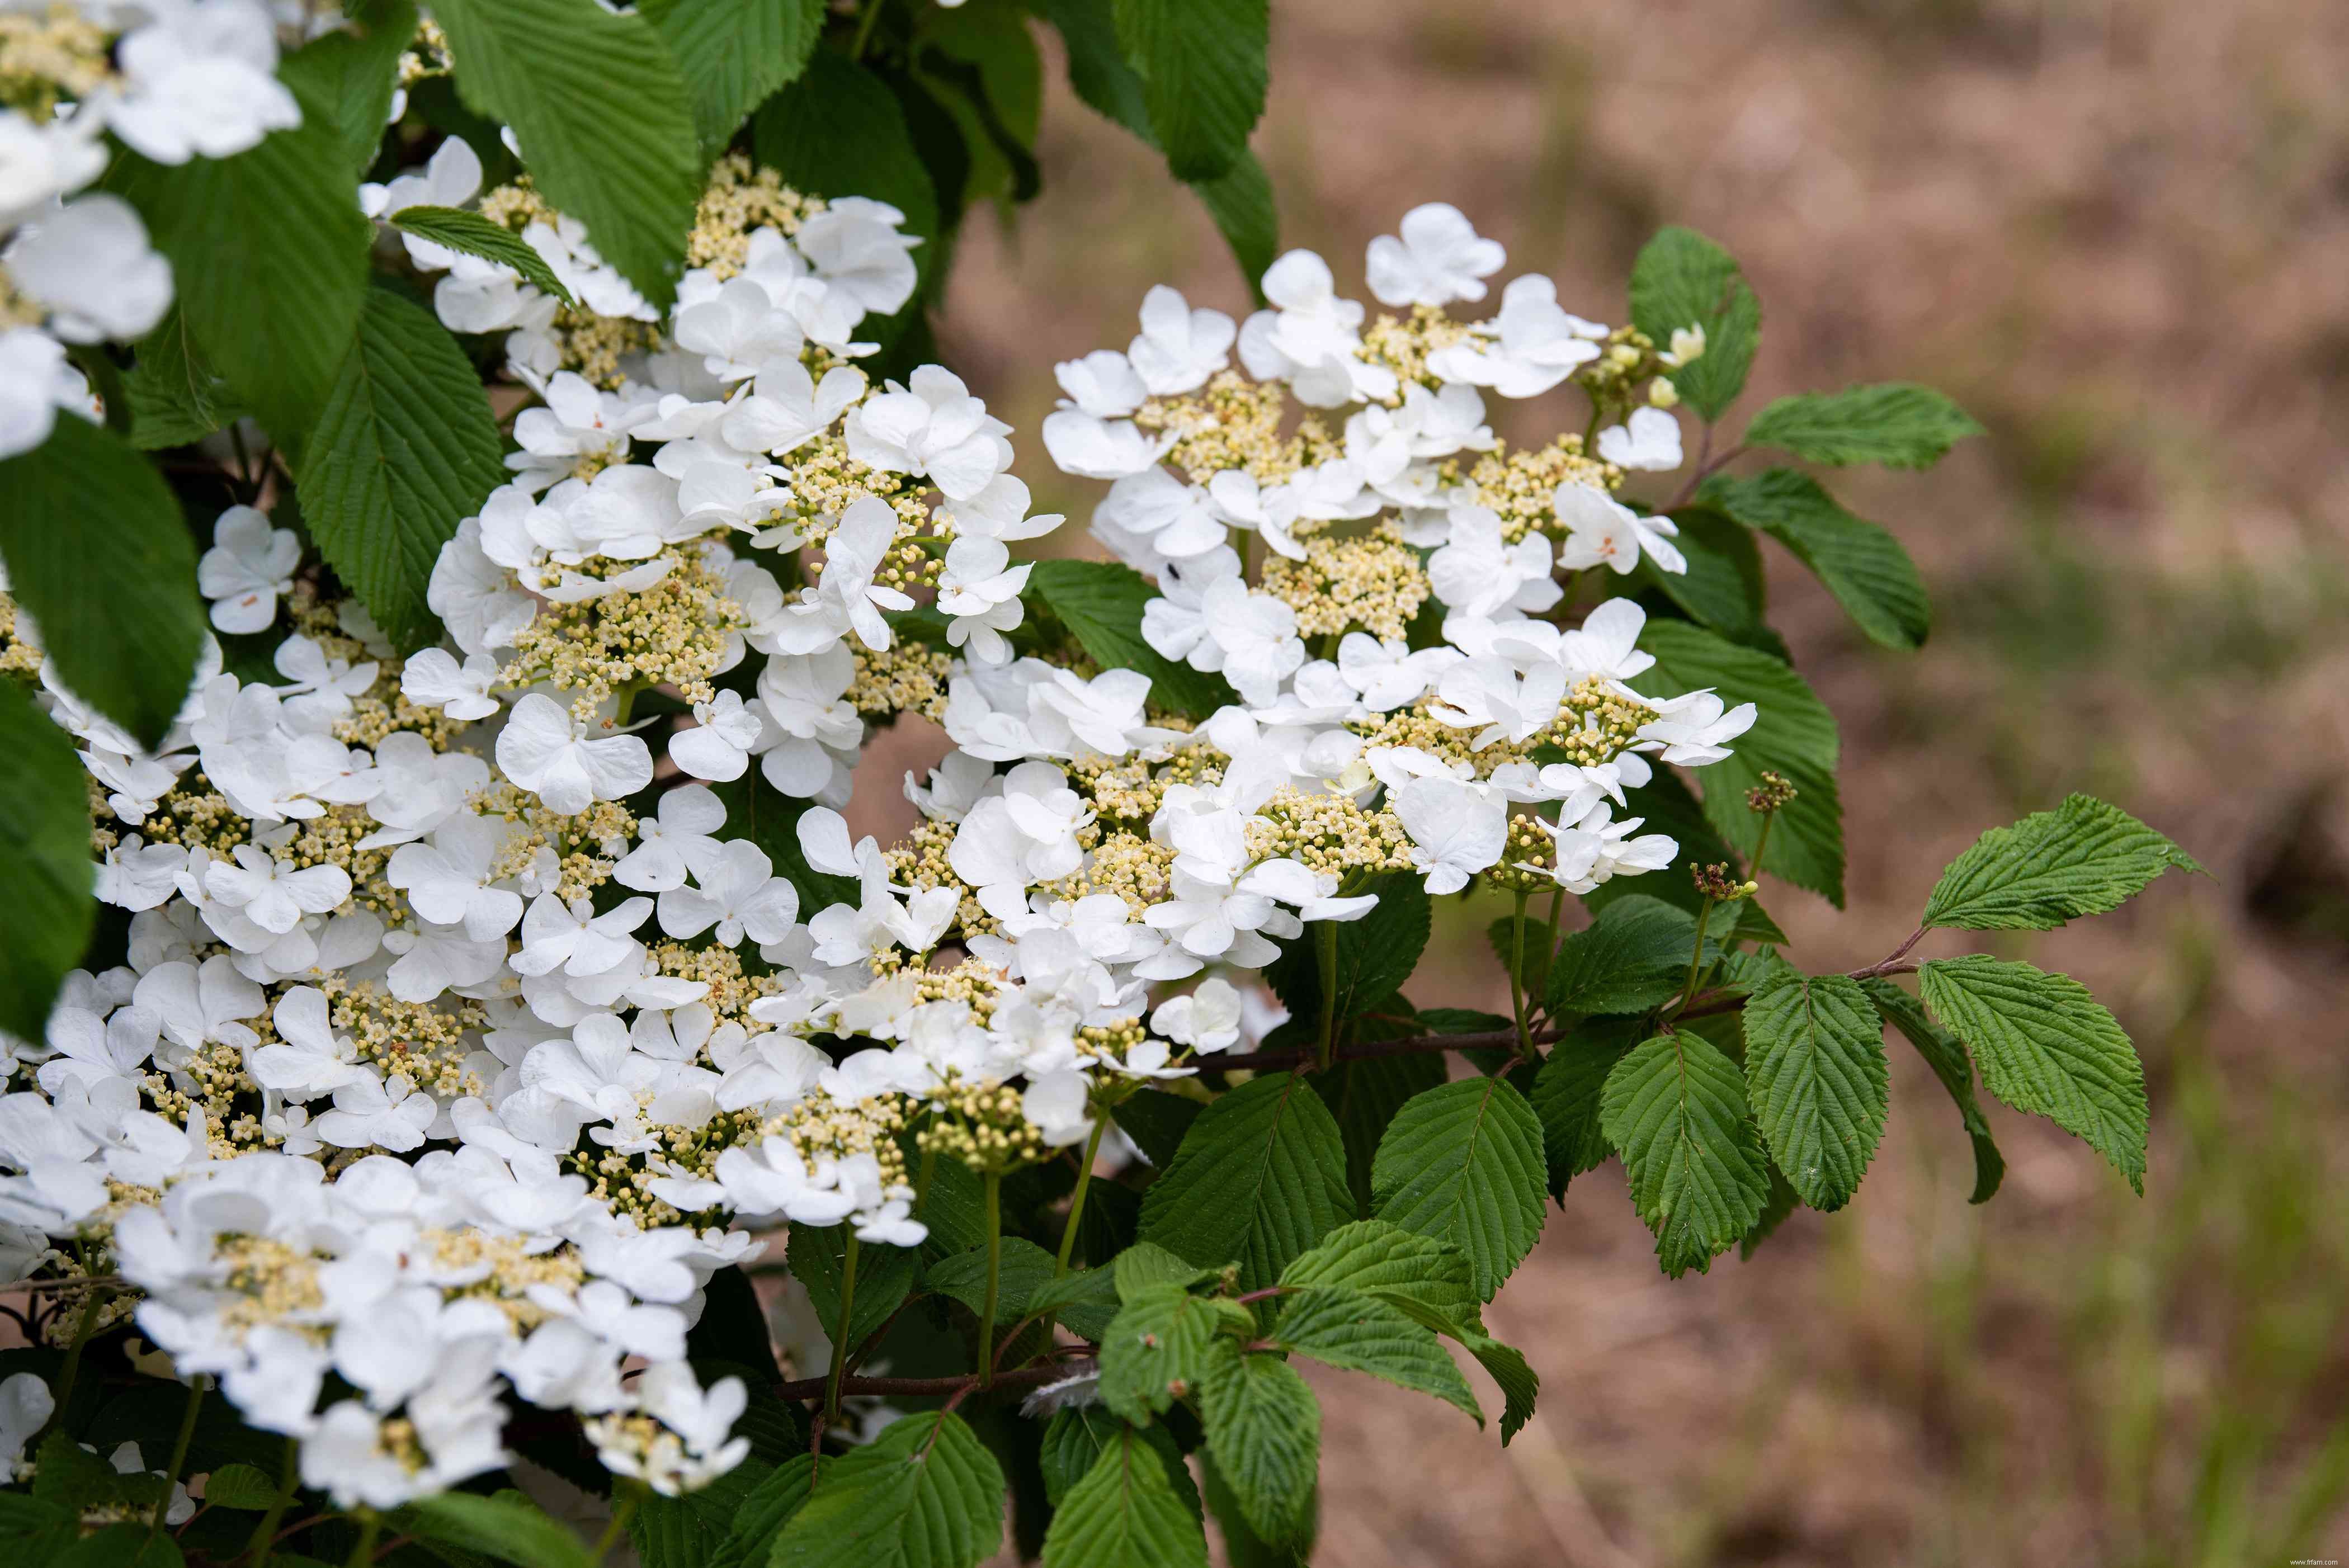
[2118, 231]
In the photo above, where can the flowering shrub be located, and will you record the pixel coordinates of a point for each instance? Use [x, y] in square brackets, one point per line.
[440, 971]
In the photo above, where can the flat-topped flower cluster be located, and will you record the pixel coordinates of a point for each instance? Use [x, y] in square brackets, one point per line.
[472, 1021]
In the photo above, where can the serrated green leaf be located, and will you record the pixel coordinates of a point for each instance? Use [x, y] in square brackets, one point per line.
[1097, 70]
[1126, 1510]
[1635, 955]
[1260, 1177]
[1723, 587]
[269, 259]
[1202, 65]
[47, 907]
[1567, 1092]
[565, 73]
[763, 1515]
[1240, 201]
[2046, 1047]
[239, 1486]
[1023, 1267]
[1816, 1078]
[885, 1277]
[1363, 1097]
[1376, 954]
[1949, 1063]
[692, 1529]
[1162, 1345]
[97, 556]
[1794, 735]
[1264, 1427]
[2083, 858]
[1145, 1264]
[1782, 1202]
[1243, 1547]
[119, 1546]
[838, 130]
[70, 1477]
[1862, 565]
[404, 449]
[1681, 279]
[503, 1527]
[355, 70]
[1464, 1162]
[926, 1493]
[1084, 1300]
[475, 235]
[176, 397]
[1101, 603]
[1896, 423]
[1675, 1106]
[733, 53]
[1364, 1333]
[981, 63]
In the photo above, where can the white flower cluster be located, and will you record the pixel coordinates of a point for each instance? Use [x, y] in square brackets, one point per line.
[173, 80]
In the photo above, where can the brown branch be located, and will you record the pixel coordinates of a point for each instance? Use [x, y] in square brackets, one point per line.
[1505, 1040]
[1706, 469]
[915, 1387]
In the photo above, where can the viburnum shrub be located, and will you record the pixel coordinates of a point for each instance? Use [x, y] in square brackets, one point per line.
[440, 976]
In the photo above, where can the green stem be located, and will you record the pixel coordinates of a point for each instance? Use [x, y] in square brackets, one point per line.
[994, 1184]
[1518, 977]
[1762, 843]
[864, 28]
[178, 1452]
[1696, 958]
[1077, 1201]
[625, 1496]
[623, 703]
[922, 1179]
[72, 1368]
[265, 1536]
[1556, 926]
[840, 1346]
[362, 1553]
[1325, 954]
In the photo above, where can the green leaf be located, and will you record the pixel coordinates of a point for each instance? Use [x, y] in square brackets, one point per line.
[779, 1495]
[269, 258]
[1675, 1106]
[1667, 806]
[1949, 1063]
[981, 63]
[1363, 1097]
[757, 811]
[1264, 1427]
[1364, 1333]
[1567, 1093]
[1896, 423]
[1816, 1075]
[1375, 953]
[1202, 65]
[120, 1546]
[1260, 1177]
[1023, 1269]
[885, 1277]
[240, 1487]
[1097, 70]
[1682, 279]
[734, 53]
[1464, 1162]
[1782, 1202]
[1101, 603]
[566, 75]
[1086, 1300]
[1147, 1264]
[1126, 1511]
[926, 1493]
[355, 73]
[1794, 735]
[46, 909]
[70, 1477]
[838, 130]
[475, 235]
[1243, 1547]
[1861, 565]
[97, 556]
[1162, 1345]
[1635, 955]
[505, 1527]
[1240, 201]
[2083, 858]
[1723, 586]
[1156, 1122]
[2046, 1047]
[176, 397]
[404, 450]
[692, 1530]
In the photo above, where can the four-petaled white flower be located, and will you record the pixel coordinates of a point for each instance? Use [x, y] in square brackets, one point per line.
[559, 758]
[249, 566]
[737, 891]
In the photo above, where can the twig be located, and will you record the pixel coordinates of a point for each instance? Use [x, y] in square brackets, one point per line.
[1703, 470]
[1362, 1050]
[1897, 963]
[916, 1388]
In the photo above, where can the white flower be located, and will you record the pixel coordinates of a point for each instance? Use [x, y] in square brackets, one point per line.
[1310, 338]
[1456, 829]
[738, 893]
[847, 599]
[1649, 441]
[806, 699]
[1531, 346]
[1056, 1105]
[1594, 851]
[1438, 259]
[1178, 521]
[1693, 730]
[579, 424]
[1477, 576]
[1490, 695]
[1251, 638]
[91, 265]
[931, 427]
[1027, 834]
[1603, 530]
[199, 80]
[308, 1058]
[1207, 1021]
[197, 1004]
[275, 894]
[1179, 348]
[1387, 672]
[249, 566]
[25, 1405]
[668, 844]
[788, 407]
[40, 163]
[474, 596]
[719, 745]
[448, 878]
[137, 875]
[1606, 643]
[375, 1113]
[999, 510]
[33, 369]
[574, 938]
[433, 678]
[979, 590]
[545, 750]
[855, 246]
